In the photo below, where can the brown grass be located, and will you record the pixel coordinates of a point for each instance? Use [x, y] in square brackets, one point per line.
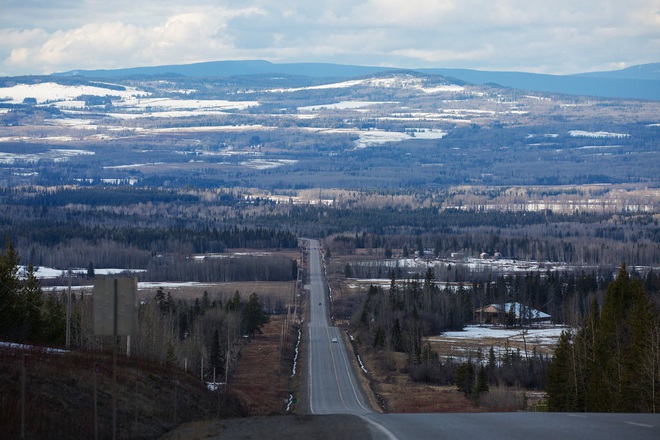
[60, 402]
[401, 395]
[262, 380]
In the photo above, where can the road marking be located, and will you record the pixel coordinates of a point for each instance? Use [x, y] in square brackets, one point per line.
[380, 428]
[643, 425]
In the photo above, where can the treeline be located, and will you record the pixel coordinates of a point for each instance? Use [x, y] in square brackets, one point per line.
[575, 243]
[389, 220]
[94, 196]
[50, 242]
[612, 362]
[229, 268]
[399, 319]
[565, 295]
[169, 331]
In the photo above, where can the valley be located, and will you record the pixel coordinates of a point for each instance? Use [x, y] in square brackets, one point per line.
[430, 196]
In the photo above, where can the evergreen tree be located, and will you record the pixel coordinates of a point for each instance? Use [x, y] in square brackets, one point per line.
[396, 338]
[559, 377]
[254, 317]
[464, 379]
[54, 327]
[161, 299]
[482, 381]
[9, 287]
[206, 302]
[90, 270]
[32, 303]
[606, 388]
[234, 304]
[215, 354]
[348, 271]
[379, 337]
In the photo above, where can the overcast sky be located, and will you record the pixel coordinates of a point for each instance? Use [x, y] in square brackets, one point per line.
[546, 36]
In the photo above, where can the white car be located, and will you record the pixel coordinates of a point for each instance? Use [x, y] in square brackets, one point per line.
[335, 340]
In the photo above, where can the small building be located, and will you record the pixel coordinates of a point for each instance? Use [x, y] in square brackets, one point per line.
[511, 313]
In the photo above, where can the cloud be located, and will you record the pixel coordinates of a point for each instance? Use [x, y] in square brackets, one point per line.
[181, 38]
[562, 36]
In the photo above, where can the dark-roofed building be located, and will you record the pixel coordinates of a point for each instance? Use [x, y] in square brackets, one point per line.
[511, 313]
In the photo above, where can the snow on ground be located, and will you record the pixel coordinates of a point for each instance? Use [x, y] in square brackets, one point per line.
[545, 135]
[207, 129]
[476, 340]
[395, 81]
[154, 113]
[343, 105]
[541, 335]
[377, 137]
[368, 138]
[468, 111]
[56, 155]
[50, 272]
[15, 346]
[598, 147]
[596, 134]
[49, 91]
[77, 123]
[264, 164]
[131, 166]
[423, 133]
[443, 88]
[142, 285]
[476, 264]
[158, 105]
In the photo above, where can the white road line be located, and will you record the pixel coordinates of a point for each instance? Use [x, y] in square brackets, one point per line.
[380, 428]
[643, 425]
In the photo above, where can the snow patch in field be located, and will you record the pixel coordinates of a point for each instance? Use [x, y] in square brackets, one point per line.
[394, 81]
[158, 105]
[548, 334]
[55, 155]
[342, 105]
[265, 164]
[596, 134]
[378, 137]
[424, 133]
[49, 91]
[49, 272]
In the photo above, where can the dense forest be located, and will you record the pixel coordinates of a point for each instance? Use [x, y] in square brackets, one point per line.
[128, 227]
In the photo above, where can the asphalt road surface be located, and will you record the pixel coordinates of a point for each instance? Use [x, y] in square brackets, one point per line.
[332, 384]
[333, 388]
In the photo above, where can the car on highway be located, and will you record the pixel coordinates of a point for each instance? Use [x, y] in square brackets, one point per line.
[334, 340]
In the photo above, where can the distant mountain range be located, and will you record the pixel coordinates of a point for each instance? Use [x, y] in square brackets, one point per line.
[637, 82]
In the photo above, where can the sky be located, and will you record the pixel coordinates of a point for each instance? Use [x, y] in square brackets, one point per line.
[542, 36]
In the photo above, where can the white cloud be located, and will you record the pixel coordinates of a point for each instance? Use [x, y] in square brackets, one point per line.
[562, 36]
[180, 38]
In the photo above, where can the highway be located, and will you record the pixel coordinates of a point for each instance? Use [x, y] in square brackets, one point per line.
[332, 384]
[333, 388]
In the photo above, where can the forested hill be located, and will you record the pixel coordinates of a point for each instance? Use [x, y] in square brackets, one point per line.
[626, 83]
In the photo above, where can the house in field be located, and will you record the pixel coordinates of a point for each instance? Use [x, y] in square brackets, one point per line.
[511, 313]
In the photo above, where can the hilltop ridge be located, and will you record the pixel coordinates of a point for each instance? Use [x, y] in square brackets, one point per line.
[636, 82]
